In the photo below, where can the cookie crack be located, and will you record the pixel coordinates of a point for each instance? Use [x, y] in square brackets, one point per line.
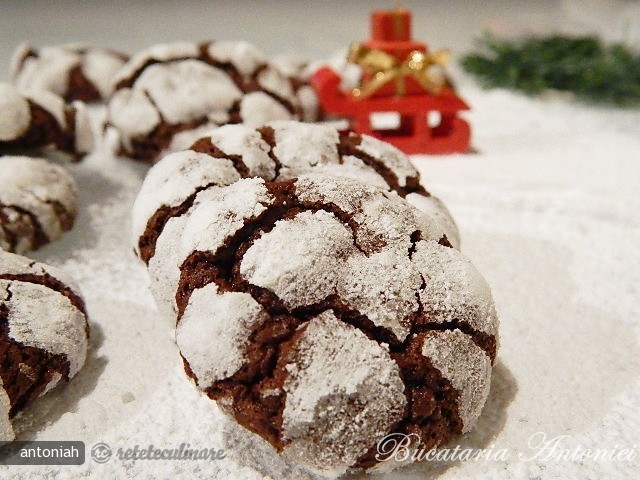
[268, 135]
[37, 237]
[25, 370]
[348, 145]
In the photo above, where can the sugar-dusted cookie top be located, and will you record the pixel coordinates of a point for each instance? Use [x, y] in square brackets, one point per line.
[324, 313]
[73, 71]
[43, 333]
[38, 202]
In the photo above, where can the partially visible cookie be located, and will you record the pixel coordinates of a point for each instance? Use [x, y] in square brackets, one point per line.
[43, 334]
[74, 71]
[166, 93]
[37, 119]
[278, 151]
[38, 202]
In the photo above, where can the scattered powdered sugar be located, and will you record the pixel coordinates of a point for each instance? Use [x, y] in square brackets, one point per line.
[344, 393]
[301, 272]
[454, 289]
[214, 330]
[43, 318]
[15, 115]
[465, 365]
[272, 80]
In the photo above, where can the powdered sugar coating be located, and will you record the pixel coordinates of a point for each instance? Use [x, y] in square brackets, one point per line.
[41, 188]
[305, 272]
[187, 90]
[172, 180]
[18, 123]
[344, 393]
[14, 113]
[435, 209]
[226, 211]
[224, 319]
[465, 365]
[50, 68]
[6, 428]
[40, 317]
[155, 54]
[197, 86]
[44, 312]
[395, 159]
[246, 57]
[454, 289]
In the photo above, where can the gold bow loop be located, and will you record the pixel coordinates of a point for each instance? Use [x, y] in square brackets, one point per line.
[383, 68]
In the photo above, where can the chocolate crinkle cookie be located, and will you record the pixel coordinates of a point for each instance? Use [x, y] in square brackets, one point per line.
[281, 150]
[166, 96]
[324, 314]
[43, 334]
[37, 203]
[73, 71]
[38, 119]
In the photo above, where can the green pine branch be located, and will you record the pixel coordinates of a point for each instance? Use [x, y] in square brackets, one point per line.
[582, 65]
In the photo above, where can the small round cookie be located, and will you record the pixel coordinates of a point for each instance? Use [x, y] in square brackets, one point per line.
[38, 119]
[43, 334]
[38, 203]
[322, 314]
[166, 93]
[278, 151]
[74, 71]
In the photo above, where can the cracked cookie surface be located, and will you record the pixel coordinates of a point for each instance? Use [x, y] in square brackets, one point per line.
[38, 203]
[323, 314]
[43, 334]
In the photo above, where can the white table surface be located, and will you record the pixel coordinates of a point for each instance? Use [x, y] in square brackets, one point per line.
[548, 211]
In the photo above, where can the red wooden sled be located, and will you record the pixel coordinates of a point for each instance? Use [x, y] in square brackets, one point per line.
[414, 133]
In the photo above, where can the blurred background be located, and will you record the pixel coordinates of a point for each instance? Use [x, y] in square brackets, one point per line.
[314, 29]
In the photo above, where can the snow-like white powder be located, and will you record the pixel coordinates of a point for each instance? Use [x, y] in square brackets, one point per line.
[302, 272]
[465, 365]
[214, 330]
[15, 117]
[344, 392]
[40, 317]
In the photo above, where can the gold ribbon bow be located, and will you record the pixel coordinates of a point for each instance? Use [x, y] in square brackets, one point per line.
[384, 68]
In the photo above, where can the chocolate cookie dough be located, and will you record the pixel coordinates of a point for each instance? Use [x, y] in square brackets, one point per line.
[74, 71]
[167, 96]
[37, 203]
[323, 314]
[37, 119]
[43, 334]
[278, 151]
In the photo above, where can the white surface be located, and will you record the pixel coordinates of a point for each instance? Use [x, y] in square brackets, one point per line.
[548, 212]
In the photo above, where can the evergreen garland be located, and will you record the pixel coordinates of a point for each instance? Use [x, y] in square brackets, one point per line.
[582, 65]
